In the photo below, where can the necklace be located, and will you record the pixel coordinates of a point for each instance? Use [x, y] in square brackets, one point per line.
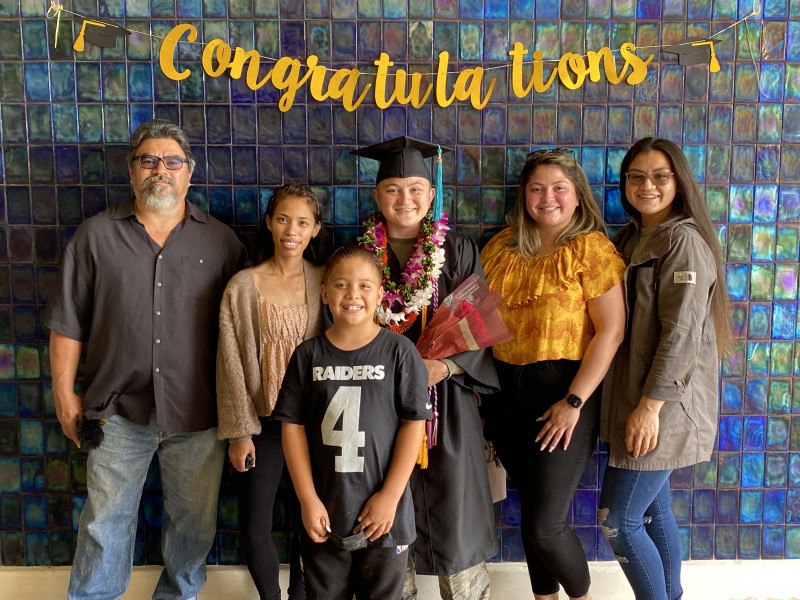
[291, 299]
[403, 301]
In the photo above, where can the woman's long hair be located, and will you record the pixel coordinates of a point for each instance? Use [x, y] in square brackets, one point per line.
[587, 217]
[265, 245]
[688, 199]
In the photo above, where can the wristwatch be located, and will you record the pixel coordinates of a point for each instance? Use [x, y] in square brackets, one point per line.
[574, 400]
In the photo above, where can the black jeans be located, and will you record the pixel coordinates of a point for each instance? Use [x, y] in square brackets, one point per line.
[546, 481]
[257, 490]
[371, 573]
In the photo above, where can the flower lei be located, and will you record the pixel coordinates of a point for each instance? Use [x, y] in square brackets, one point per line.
[419, 280]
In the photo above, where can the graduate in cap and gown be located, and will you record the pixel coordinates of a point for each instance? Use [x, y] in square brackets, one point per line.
[423, 263]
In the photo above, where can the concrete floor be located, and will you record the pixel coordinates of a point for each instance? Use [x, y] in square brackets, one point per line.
[702, 580]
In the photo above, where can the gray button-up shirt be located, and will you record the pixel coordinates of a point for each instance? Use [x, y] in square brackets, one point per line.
[148, 315]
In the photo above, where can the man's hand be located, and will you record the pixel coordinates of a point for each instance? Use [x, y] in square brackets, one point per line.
[64, 356]
[377, 517]
[69, 410]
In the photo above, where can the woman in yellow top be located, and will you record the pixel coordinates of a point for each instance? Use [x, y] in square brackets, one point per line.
[560, 278]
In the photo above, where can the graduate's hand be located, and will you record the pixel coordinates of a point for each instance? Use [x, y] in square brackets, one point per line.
[238, 453]
[641, 429]
[437, 371]
[315, 520]
[561, 419]
[377, 517]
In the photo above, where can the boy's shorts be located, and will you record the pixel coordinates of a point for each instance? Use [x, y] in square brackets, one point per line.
[373, 573]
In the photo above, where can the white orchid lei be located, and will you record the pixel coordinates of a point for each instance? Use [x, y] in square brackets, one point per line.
[419, 282]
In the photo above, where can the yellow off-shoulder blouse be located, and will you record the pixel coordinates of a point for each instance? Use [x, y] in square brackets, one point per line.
[545, 297]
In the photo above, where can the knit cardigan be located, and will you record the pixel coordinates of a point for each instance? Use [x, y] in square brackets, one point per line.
[240, 389]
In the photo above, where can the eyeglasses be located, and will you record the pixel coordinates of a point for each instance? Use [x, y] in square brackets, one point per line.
[658, 179]
[148, 161]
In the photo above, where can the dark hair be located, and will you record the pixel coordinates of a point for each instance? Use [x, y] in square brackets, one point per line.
[586, 217]
[265, 245]
[352, 250]
[689, 200]
[160, 129]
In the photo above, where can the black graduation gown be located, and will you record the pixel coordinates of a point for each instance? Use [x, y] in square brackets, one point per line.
[452, 500]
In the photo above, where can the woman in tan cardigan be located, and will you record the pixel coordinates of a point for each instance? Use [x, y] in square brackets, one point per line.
[266, 312]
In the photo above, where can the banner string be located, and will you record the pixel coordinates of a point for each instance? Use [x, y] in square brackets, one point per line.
[56, 9]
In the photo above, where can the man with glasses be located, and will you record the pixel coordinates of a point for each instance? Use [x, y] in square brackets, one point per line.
[140, 287]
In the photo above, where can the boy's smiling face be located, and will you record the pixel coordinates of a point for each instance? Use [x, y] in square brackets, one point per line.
[404, 202]
[352, 291]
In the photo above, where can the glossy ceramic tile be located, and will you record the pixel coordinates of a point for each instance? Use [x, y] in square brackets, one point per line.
[65, 119]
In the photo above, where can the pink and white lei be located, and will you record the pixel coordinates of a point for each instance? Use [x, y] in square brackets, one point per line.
[420, 277]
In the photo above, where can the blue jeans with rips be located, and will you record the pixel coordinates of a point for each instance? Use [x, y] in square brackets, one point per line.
[636, 517]
[191, 468]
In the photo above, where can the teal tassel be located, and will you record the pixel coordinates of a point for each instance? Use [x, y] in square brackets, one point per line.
[436, 213]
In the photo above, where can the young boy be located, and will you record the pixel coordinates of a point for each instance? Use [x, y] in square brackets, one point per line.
[353, 404]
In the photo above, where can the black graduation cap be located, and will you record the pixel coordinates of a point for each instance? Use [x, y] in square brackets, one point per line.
[695, 51]
[99, 32]
[405, 157]
[401, 157]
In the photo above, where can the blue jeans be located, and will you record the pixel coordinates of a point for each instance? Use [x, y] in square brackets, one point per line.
[636, 518]
[191, 468]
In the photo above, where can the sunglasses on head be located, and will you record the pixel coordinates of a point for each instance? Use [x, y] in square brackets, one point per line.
[552, 151]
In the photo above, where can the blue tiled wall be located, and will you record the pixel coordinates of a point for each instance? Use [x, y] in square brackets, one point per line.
[65, 118]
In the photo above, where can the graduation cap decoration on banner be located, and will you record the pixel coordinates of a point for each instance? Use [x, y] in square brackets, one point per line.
[99, 32]
[695, 51]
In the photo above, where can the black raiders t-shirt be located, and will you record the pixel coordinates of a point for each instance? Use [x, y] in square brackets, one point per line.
[351, 403]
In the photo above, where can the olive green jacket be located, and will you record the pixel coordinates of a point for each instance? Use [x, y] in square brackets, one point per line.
[669, 352]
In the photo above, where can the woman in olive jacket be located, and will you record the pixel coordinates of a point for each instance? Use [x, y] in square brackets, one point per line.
[659, 405]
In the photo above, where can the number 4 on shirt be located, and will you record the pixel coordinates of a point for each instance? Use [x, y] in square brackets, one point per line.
[346, 403]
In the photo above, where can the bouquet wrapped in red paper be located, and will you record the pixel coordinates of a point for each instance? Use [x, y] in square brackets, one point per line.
[466, 320]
